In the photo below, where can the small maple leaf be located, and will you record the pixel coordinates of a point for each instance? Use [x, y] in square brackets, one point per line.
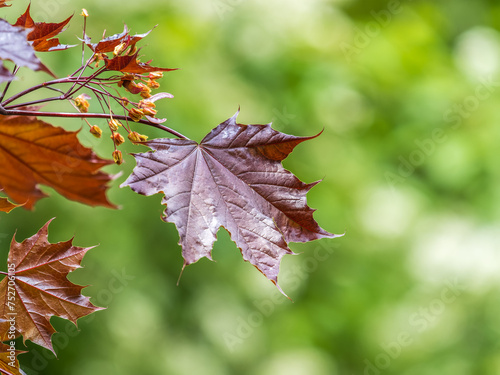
[40, 289]
[233, 178]
[130, 64]
[14, 47]
[108, 44]
[34, 152]
[42, 32]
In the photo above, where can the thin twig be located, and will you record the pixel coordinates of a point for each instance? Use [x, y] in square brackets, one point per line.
[7, 112]
[14, 71]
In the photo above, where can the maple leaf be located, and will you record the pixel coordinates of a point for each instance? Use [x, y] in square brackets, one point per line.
[14, 47]
[42, 32]
[130, 64]
[233, 178]
[108, 44]
[34, 152]
[40, 288]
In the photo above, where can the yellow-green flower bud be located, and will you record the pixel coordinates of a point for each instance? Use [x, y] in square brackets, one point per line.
[135, 114]
[114, 124]
[118, 157]
[117, 138]
[96, 131]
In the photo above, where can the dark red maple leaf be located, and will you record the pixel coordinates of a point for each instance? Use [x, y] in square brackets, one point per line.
[130, 64]
[108, 44]
[233, 178]
[41, 32]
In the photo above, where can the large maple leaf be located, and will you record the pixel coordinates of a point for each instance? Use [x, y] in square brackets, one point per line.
[34, 152]
[233, 178]
[37, 288]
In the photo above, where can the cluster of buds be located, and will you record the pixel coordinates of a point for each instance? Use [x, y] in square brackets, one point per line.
[117, 138]
[143, 88]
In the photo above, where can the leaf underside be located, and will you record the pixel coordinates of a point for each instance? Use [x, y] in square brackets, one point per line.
[233, 178]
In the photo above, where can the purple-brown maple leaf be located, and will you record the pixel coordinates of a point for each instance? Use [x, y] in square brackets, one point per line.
[37, 288]
[233, 178]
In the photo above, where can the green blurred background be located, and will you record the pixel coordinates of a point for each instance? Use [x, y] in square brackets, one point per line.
[407, 93]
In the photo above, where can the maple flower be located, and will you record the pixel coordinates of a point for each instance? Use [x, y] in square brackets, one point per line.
[114, 124]
[125, 101]
[117, 138]
[81, 102]
[135, 114]
[84, 12]
[146, 104]
[145, 90]
[153, 84]
[96, 131]
[155, 75]
[136, 137]
[149, 111]
[118, 157]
